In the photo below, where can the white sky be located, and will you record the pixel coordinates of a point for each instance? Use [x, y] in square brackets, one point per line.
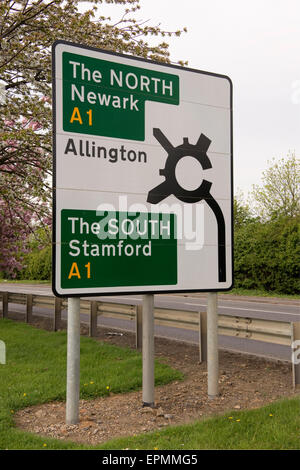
[257, 44]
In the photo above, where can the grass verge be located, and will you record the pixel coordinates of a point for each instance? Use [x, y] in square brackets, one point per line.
[35, 373]
[24, 281]
[260, 293]
[273, 427]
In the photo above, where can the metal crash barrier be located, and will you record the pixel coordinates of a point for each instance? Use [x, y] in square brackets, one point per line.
[270, 331]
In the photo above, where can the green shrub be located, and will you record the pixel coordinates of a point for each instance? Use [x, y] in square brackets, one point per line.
[38, 265]
[267, 255]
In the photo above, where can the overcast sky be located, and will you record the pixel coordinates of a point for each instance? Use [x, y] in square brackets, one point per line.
[257, 44]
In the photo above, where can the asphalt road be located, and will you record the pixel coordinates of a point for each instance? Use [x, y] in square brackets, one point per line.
[279, 309]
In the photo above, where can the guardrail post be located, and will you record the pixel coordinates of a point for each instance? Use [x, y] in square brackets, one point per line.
[4, 304]
[212, 346]
[57, 313]
[296, 353]
[139, 327]
[29, 303]
[202, 337]
[73, 361]
[148, 350]
[93, 318]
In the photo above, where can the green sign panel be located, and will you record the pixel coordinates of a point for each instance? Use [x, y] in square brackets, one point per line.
[108, 99]
[117, 249]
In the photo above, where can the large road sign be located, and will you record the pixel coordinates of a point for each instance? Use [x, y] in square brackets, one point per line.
[142, 175]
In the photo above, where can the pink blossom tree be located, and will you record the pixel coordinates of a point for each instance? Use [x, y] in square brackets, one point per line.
[27, 30]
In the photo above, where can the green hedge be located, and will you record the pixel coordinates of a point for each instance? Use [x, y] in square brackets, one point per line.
[267, 255]
[37, 265]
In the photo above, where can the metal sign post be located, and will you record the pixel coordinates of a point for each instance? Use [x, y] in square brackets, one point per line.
[212, 346]
[73, 361]
[148, 350]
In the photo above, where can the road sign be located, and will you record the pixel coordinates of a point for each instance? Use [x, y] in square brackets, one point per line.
[142, 175]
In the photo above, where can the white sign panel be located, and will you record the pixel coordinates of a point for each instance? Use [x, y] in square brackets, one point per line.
[142, 175]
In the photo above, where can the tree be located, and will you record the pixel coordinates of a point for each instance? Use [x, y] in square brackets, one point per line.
[12, 246]
[27, 30]
[241, 212]
[280, 193]
[266, 238]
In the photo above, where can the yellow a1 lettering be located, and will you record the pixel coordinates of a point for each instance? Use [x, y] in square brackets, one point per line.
[76, 116]
[89, 113]
[88, 269]
[74, 271]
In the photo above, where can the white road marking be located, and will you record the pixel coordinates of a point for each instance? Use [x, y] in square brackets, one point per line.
[220, 306]
[248, 309]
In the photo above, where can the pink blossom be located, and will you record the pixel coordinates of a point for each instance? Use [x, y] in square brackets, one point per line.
[35, 125]
[45, 99]
[9, 123]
